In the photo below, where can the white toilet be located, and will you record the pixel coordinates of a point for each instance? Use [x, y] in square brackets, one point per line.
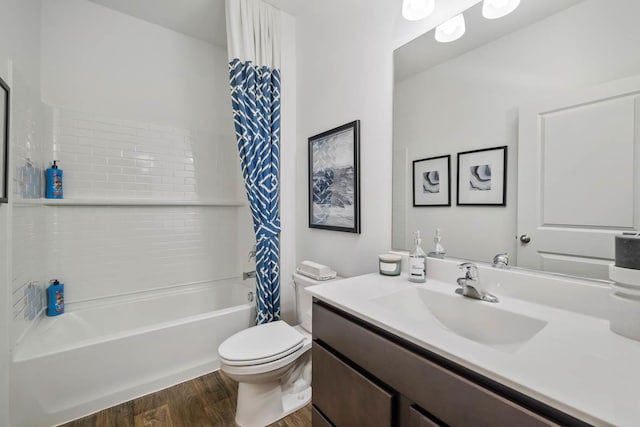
[272, 364]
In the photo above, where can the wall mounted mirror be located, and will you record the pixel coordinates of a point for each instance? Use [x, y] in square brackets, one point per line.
[561, 74]
[4, 141]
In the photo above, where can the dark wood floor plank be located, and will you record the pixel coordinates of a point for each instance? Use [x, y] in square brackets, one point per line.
[158, 417]
[206, 401]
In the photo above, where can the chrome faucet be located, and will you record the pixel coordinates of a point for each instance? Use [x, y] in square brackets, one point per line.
[248, 275]
[470, 284]
[501, 261]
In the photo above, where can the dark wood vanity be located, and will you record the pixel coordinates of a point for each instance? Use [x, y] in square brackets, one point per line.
[365, 376]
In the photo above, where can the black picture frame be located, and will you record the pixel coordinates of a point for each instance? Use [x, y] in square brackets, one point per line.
[432, 182]
[4, 142]
[334, 179]
[482, 177]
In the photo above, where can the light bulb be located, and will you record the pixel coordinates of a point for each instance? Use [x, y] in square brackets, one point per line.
[415, 10]
[451, 30]
[494, 9]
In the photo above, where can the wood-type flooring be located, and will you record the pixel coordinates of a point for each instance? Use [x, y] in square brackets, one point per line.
[207, 401]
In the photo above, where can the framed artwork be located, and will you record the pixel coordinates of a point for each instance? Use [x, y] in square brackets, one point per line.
[334, 179]
[4, 142]
[432, 181]
[482, 177]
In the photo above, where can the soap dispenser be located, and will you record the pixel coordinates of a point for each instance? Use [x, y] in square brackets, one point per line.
[438, 250]
[418, 262]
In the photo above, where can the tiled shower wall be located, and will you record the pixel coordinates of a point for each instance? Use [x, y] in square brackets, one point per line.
[28, 225]
[110, 158]
[101, 251]
[104, 251]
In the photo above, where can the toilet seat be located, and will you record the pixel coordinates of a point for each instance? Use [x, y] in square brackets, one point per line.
[261, 344]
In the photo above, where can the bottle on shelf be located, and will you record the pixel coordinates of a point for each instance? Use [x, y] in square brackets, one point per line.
[54, 182]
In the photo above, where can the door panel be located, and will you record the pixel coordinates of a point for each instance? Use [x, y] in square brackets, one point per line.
[577, 178]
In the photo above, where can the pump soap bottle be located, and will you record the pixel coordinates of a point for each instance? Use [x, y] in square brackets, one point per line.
[54, 182]
[438, 250]
[418, 262]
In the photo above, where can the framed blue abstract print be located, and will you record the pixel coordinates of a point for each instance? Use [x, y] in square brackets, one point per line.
[334, 179]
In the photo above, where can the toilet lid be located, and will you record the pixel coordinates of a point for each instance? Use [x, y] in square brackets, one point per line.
[261, 344]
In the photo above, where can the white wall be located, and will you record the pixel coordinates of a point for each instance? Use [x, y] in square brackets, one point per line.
[471, 102]
[288, 149]
[137, 111]
[19, 66]
[345, 68]
[97, 60]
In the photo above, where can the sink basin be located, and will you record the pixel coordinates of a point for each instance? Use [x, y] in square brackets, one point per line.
[475, 320]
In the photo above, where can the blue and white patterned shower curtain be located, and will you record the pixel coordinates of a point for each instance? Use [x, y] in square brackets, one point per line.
[254, 58]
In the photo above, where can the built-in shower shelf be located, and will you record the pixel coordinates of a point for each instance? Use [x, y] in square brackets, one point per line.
[134, 202]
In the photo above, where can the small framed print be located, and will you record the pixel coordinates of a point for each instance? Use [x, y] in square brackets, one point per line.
[482, 177]
[432, 181]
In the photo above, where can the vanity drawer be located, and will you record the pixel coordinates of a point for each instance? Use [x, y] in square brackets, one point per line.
[345, 396]
[448, 396]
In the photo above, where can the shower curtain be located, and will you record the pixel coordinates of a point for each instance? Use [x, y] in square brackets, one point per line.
[254, 59]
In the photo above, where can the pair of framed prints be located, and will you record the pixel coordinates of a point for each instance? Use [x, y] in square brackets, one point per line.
[481, 179]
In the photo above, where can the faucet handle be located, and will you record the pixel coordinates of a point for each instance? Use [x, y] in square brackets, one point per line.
[501, 260]
[470, 270]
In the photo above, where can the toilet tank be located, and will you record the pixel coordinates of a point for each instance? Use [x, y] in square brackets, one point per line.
[304, 299]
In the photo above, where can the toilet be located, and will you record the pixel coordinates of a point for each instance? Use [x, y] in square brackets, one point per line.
[272, 363]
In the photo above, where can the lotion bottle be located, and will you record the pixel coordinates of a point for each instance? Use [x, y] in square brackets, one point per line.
[418, 262]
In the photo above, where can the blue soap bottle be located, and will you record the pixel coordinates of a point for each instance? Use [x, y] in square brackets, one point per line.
[54, 182]
[55, 298]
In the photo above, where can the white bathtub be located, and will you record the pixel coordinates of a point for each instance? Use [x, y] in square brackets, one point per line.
[99, 354]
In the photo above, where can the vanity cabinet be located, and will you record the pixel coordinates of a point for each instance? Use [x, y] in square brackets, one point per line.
[365, 376]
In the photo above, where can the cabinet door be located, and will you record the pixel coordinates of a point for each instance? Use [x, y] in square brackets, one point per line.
[345, 396]
[318, 420]
[419, 419]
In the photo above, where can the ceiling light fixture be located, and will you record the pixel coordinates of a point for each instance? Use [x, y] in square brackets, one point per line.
[494, 9]
[451, 30]
[415, 10]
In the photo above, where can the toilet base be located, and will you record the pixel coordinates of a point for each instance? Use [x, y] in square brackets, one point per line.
[263, 404]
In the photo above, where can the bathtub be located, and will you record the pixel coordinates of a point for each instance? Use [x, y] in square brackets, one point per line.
[105, 352]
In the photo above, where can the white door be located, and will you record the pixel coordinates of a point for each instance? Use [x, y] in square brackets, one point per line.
[578, 181]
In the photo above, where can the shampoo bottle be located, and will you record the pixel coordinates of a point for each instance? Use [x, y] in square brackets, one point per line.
[418, 262]
[55, 298]
[54, 182]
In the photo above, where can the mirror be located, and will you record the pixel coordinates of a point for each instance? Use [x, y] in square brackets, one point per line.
[4, 141]
[471, 94]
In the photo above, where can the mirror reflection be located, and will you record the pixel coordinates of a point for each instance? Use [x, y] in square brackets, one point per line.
[556, 82]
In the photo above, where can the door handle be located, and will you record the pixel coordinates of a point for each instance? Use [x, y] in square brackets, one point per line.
[525, 239]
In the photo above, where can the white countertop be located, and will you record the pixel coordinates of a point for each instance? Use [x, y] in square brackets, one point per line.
[575, 363]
